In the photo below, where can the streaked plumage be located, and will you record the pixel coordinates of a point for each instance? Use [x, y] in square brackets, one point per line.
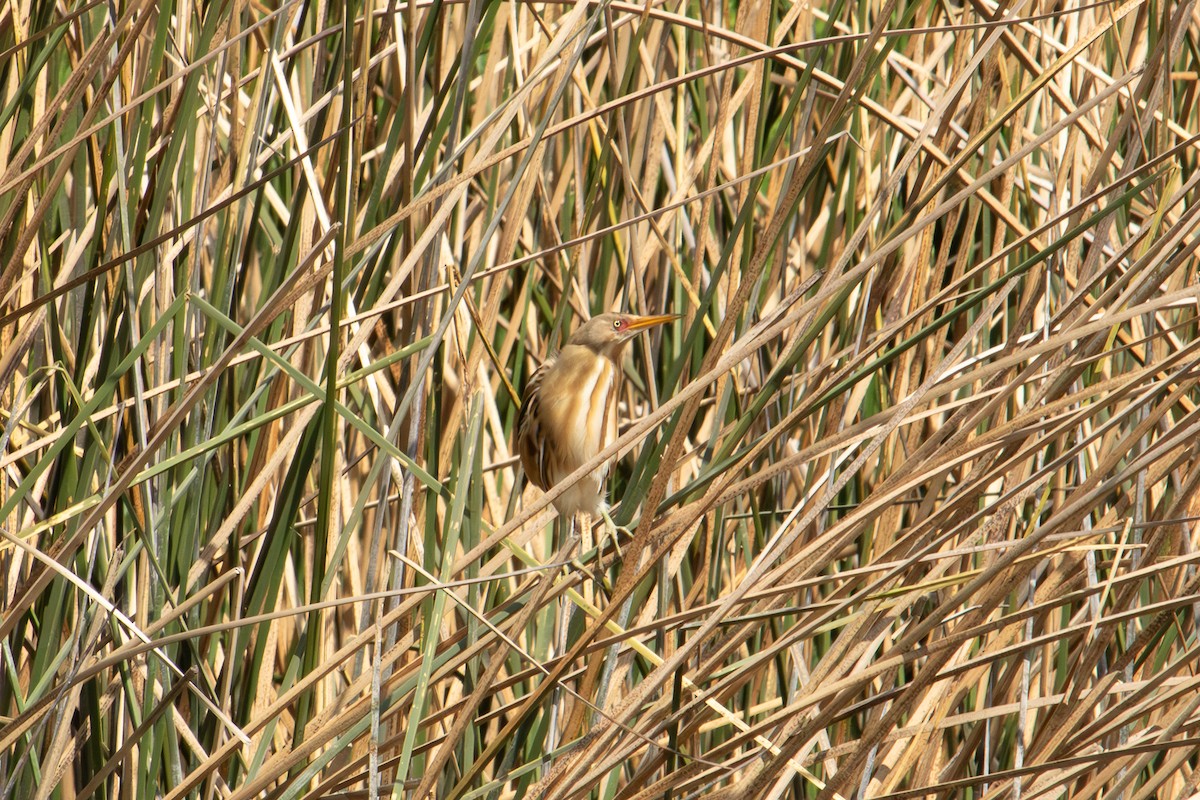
[569, 410]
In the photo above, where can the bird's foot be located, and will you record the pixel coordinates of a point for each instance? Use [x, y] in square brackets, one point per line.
[594, 570]
[613, 531]
[576, 564]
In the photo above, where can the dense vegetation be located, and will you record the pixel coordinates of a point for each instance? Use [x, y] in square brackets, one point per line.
[911, 486]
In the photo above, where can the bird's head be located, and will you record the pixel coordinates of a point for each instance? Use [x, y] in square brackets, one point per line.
[607, 333]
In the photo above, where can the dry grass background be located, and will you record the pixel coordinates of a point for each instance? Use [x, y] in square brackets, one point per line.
[912, 483]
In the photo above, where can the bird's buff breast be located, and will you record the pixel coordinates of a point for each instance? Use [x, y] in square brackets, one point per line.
[581, 403]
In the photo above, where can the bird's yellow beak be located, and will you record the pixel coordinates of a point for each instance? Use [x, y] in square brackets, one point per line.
[641, 323]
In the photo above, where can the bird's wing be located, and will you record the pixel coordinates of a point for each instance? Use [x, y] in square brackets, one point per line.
[530, 438]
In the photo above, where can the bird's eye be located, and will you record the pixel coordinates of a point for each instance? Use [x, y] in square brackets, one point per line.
[618, 324]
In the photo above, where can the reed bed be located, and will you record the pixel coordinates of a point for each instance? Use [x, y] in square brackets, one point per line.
[911, 486]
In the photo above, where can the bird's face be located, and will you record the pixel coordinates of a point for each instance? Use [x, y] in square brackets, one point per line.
[608, 332]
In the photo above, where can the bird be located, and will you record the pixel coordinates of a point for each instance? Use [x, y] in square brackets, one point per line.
[569, 412]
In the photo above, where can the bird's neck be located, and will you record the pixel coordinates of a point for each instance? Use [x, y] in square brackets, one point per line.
[613, 353]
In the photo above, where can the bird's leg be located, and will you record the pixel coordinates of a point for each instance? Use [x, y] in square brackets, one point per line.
[564, 537]
[585, 538]
[588, 545]
[609, 531]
